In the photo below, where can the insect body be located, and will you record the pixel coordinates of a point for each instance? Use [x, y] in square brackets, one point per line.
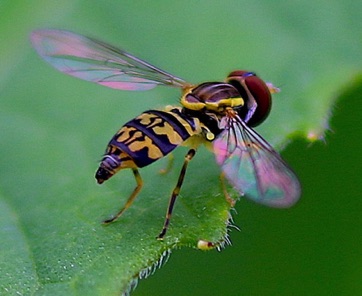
[218, 114]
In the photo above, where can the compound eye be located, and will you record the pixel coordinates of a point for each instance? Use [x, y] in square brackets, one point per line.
[253, 90]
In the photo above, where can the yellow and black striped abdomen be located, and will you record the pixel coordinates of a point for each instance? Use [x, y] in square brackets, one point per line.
[154, 134]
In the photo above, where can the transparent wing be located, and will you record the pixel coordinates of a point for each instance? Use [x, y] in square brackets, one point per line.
[98, 62]
[253, 167]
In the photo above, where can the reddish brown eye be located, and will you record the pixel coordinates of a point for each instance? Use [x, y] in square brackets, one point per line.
[255, 93]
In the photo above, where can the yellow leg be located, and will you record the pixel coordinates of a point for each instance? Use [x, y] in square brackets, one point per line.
[169, 165]
[228, 198]
[130, 199]
[176, 192]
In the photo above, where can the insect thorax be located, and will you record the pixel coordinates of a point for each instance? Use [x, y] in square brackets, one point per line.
[213, 97]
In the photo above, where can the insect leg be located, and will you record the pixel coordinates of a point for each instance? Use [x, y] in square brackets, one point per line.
[169, 165]
[228, 198]
[176, 192]
[131, 198]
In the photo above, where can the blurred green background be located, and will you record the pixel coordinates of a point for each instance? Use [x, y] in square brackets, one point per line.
[312, 50]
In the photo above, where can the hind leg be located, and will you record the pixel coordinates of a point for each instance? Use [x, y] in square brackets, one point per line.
[130, 199]
[175, 193]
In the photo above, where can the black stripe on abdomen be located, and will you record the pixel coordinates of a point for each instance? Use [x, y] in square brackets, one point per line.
[151, 136]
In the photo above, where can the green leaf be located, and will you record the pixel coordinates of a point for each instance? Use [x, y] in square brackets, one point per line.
[54, 129]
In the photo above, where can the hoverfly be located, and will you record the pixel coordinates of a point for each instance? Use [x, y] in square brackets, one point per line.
[218, 114]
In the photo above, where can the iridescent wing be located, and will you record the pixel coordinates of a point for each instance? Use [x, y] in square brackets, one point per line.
[253, 167]
[98, 62]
